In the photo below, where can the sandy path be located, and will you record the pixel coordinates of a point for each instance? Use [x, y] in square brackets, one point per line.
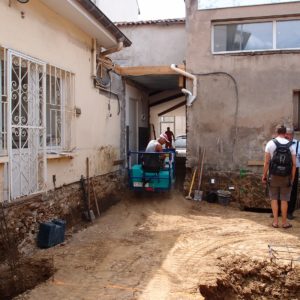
[153, 248]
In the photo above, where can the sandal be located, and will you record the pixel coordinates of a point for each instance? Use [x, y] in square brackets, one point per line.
[287, 225]
[274, 225]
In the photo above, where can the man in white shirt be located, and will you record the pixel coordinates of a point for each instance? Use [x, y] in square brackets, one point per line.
[294, 192]
[156, 145]
[152, 162]
[279, 184]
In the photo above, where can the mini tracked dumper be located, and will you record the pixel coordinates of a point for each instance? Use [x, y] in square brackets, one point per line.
[149, 172]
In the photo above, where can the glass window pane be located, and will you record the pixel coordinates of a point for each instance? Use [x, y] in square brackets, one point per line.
[211, 4]
[227, 37]
[288, 34]
[257, 36]
[239, 37]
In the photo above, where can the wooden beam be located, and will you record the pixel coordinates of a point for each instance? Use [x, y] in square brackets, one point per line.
[137, 85]
[181, 81]
[118, 162]
[146, 70]
[166, 99]
[172, 108]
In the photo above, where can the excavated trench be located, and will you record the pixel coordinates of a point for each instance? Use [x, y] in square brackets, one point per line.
[243, 278]
[25, 275]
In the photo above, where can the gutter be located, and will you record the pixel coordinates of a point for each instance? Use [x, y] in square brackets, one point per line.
[90, 7]
[117, 48]
[191, 97]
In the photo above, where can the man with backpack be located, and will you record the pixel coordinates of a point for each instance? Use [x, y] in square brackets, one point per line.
[294, 192]
[279, 173]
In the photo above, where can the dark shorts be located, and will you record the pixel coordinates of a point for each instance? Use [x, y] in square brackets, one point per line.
[280, 188]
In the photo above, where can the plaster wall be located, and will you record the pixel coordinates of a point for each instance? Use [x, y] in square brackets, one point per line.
[238, 107]
[44, 35]
[137, 94]
[153, 45]
[135, 141]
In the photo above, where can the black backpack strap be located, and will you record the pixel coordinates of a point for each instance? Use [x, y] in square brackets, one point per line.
[287, 145]
[276, 142]
[297, 147]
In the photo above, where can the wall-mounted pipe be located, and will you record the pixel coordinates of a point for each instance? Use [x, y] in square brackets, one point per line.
[191, 96]
[117, 48]
[94, 57]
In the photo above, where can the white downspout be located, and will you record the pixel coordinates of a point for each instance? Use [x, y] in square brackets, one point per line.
[94, 59]
[113, 49]
[191, 96]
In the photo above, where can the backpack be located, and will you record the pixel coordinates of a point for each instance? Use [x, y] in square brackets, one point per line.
[281, 163]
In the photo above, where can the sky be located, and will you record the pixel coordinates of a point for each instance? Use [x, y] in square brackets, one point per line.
[161, 9]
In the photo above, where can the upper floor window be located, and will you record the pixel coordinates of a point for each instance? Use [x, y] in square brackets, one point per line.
[213, 4]
[288, 34]
[258, 36]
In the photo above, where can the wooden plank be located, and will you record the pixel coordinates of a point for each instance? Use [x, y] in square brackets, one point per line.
[146, 70]
[118, 162]
[181, 81]
[166, 99]
[255, 162]
[172, 108]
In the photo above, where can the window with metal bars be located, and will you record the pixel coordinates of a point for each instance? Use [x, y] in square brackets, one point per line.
[59, 108]
[3, 104]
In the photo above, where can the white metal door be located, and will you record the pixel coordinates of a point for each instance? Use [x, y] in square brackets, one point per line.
[26, 124]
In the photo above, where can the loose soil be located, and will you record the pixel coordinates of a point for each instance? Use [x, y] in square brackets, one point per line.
[26, 274]
[162, 246]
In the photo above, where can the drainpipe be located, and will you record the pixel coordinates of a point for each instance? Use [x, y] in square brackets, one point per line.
[113, 49]
[191, 97]
[94, 54]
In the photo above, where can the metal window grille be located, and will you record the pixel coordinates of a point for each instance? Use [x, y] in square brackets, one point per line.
[35, 99]
[59, 109]
[3, 104]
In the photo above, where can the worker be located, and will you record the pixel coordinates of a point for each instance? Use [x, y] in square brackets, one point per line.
[153, 162]
[170, 135]
[294, 192]
[156, 145]
[279, 172]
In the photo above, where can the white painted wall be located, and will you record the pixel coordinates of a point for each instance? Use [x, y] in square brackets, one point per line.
[132, 93]
[158, 44]
[43, 34]
[119, 10]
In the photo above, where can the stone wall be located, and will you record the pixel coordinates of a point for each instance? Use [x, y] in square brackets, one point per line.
[67, 202]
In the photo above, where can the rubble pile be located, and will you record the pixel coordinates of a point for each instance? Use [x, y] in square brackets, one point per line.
[243, 278]
[246, 187]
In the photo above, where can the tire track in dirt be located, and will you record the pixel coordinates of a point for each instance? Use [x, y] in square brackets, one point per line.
[156, 248]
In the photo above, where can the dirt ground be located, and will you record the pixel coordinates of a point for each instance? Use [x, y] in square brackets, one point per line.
[166, 247]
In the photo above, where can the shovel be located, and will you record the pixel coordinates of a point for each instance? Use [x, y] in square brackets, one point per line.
[188, 197]
[198, 193]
